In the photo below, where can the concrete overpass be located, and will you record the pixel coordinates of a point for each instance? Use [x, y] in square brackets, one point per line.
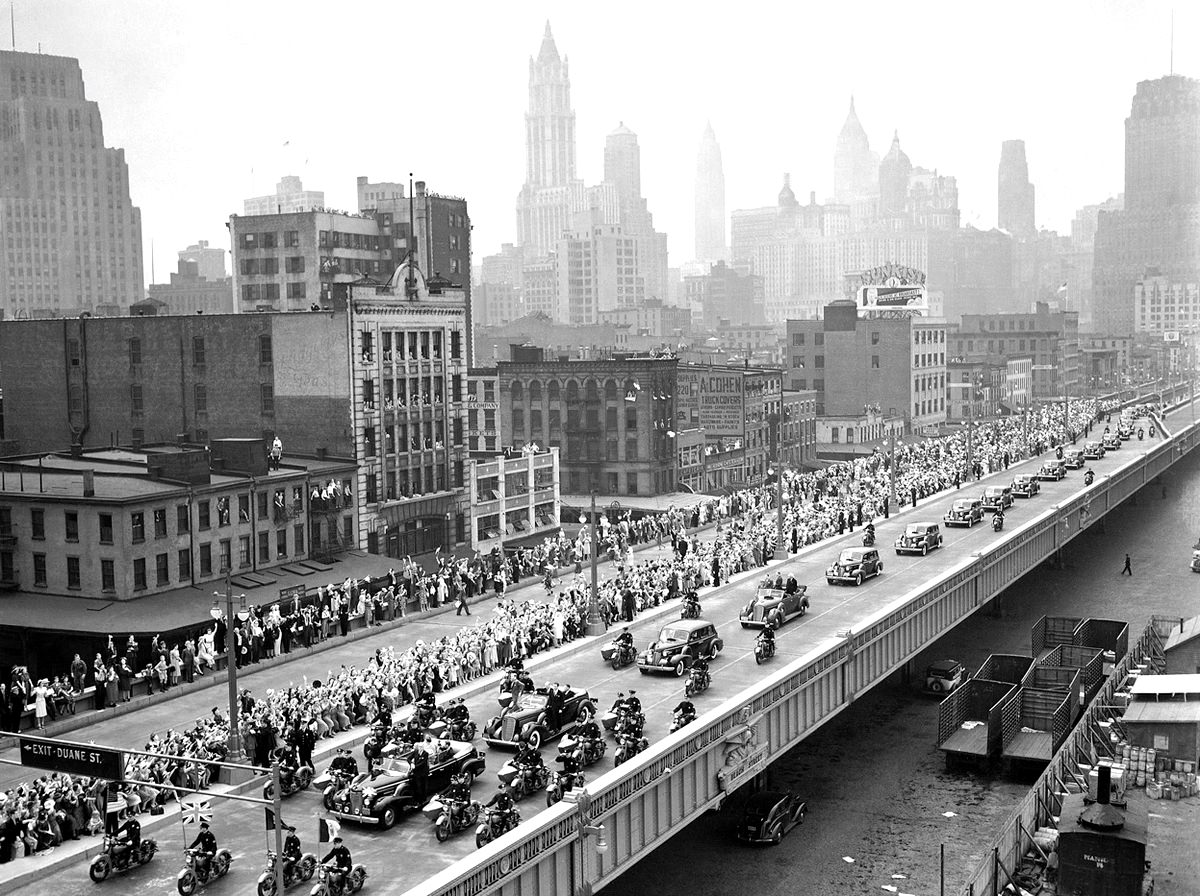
[847, 646]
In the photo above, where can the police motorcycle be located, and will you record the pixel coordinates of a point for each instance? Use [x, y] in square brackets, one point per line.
[496, 823]
[698, 679]
[293, 872]
[197, 873]
[120, 855]
[327, 884]
[293, 777]
[1089, 477]
[629, 745]
[764, 645]
[868, 538]
[619, 652]
[453, 810]
[684, 714]
[569, 778]
[997, 520]
[590, 748]
[524, 776]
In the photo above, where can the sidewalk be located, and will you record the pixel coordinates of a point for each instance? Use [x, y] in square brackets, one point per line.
[129, 725]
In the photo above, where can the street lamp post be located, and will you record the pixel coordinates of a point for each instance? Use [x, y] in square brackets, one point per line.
[234, 745]
[595, 625]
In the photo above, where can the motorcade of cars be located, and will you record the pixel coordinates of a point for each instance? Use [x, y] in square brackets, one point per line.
[773, 603]
[854, 565]
[389, 789]
[769, 814]
[679, 644]
[997, 497]
[919, 538]
[965, 512]
[1025, 486]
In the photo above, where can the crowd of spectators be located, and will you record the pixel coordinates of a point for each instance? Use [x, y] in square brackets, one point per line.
[816, 505]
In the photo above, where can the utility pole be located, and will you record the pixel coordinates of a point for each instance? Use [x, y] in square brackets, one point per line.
[892, 507]
[234, 744]
[595, 625]
[779, 542]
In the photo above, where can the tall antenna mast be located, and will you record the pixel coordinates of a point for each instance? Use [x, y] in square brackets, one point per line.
[410, 282]
[1172, 41]
[151, 261]
[12, 22]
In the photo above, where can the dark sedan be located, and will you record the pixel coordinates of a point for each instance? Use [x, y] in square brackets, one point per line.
[769, 814]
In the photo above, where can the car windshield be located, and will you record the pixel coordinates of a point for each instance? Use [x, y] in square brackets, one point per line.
[850, 557]
[396, 767]
[673, 634]
[993, 491]
[915, 531]
[962, 505]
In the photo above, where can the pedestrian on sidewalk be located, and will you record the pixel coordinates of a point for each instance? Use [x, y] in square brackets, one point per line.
[462, 603]
[1128, 568]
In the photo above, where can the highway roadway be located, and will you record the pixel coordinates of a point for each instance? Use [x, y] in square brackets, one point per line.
[402, 857]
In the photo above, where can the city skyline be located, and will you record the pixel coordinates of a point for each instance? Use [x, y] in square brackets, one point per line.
[204, 134]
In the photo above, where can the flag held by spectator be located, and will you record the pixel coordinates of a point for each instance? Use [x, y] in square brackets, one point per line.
[196, 812]
[329, 828]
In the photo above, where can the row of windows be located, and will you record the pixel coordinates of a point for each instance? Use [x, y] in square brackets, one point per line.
[266, 353]
[416, 345]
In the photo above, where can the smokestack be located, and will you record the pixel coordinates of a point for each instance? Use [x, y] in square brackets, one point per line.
[1103, 785]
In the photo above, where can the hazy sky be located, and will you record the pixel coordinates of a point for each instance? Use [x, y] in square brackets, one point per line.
[203, 96]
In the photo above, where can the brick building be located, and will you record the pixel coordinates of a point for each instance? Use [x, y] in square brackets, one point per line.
[124, 524]
[1051, 338]
[853, 363]
[612, 420]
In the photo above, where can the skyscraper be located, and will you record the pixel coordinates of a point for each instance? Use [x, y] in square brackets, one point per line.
[1014, 193]
[1160, 226]
[623, 170]
[73, 235]
[552, 193]
[710, 200]
[894, 173]
[855, 167]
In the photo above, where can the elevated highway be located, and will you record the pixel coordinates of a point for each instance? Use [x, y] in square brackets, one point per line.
[852, 639]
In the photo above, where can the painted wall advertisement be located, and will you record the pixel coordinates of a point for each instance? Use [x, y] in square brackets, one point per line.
[714, 400]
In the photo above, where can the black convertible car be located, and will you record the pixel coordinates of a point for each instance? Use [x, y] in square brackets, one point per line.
[380, 796]
[534, 722]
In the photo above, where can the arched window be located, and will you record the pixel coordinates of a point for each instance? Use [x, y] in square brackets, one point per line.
[572, 390]
[610, 390]
[518, 394]
[535, 390]
[592, 390]
[552, 389]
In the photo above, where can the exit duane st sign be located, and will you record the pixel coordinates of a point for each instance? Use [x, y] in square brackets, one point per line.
[74, 759]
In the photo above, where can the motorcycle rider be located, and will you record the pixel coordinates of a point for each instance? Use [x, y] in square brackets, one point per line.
[292, 851]
[572, 763]
[339, 856]
[684, 712]
[206, 846]
[869, 536]
[624, 642]
[528, 761]
[700, 670]
[424, 711]
[129, 837]
[691, 603]
[286, 757]
[457, 796]
[633, 704]
[344, 764]
[502, 803]
[998, 519]
[768, 638]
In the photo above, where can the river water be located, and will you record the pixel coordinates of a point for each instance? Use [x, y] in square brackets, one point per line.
[877, 787]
